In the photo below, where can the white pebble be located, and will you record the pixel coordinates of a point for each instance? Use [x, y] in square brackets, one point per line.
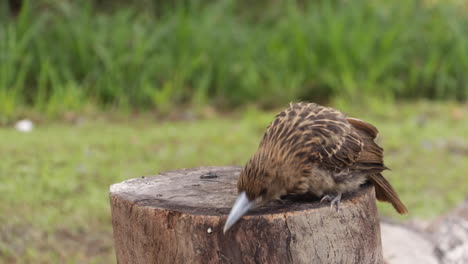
[24, 125]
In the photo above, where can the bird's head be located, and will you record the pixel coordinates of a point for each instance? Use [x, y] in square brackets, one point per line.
[257, 186]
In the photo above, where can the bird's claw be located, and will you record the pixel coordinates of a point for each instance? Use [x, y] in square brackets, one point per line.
[334, 200]
[326, 198]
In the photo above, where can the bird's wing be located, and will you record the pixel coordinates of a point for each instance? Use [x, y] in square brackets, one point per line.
[356, 149]
[371, 159]
[329, 138]
[314, 134]
[322, 135]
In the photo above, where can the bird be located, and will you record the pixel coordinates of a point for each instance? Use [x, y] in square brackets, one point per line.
[312, 150]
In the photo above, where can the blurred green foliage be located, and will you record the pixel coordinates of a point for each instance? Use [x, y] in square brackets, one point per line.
[59, 56]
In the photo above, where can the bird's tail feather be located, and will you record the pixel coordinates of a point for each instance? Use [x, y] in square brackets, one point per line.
[385, 192]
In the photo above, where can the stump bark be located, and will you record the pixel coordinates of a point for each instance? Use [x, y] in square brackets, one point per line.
[178, 217]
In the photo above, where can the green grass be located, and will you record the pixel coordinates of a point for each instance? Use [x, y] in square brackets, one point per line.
[54, 205]
[60, 56]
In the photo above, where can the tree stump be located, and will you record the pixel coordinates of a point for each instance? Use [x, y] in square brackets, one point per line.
[178, 217]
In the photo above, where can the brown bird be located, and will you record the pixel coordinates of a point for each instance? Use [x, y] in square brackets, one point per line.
[311, 149]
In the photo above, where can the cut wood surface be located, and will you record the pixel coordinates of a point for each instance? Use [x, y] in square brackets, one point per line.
[178, 217]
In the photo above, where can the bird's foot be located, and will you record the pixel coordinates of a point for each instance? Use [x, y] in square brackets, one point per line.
[326, 198]
[334, 200]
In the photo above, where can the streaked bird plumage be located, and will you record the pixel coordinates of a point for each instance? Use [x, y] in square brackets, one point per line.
[314, 150]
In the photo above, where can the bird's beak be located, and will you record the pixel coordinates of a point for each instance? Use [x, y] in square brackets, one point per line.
[240, 208]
